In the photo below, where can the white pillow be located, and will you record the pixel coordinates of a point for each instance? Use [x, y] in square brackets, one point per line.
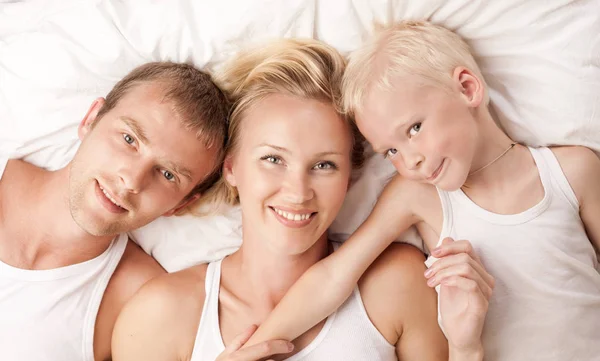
[540, 59]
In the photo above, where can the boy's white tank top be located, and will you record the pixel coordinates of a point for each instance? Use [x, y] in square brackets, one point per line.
[546, 303]
[348, 334]
[49, 315]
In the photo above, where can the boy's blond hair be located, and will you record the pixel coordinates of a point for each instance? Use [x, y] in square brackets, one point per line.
[408, 48]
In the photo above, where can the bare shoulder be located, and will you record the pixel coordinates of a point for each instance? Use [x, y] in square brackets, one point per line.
[134, 270]
[581, 166]
[165, 311]
[401, 305]
[171, 293]
[417, 197]
[391, 285]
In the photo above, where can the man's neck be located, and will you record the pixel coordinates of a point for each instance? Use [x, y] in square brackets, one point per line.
[39, 232]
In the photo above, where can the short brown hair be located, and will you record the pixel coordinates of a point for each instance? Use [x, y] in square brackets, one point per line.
[200, 104]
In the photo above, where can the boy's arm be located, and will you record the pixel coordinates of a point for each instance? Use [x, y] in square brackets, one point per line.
[582, 169]
[328, 283]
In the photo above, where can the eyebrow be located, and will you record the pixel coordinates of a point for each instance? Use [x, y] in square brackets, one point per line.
[180, 170]
[139, 133]
[136, 128]
[285, 150]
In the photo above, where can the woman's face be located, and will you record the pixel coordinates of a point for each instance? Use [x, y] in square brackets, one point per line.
[291, 168]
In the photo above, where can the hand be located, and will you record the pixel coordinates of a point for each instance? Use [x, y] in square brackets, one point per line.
[466, 288]
[234, 351]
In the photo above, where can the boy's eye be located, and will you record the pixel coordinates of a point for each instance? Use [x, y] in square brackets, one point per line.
[390, 152]
[128, 138]
[414, 129]
[168, 175]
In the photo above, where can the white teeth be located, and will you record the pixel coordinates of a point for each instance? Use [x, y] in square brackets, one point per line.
[110, 198]
[292, 216]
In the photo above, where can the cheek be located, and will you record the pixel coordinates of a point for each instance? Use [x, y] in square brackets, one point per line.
[331, 193]
[256, 183]
[400, 167]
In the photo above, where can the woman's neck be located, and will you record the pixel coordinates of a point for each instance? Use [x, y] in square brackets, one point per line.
[261, 275]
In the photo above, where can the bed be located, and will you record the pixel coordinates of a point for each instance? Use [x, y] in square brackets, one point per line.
[541, 60]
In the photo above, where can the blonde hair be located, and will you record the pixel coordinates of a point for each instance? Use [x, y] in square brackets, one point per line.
[303, 68]
[416, 48]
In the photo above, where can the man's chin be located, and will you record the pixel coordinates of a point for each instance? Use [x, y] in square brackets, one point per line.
[99, 230]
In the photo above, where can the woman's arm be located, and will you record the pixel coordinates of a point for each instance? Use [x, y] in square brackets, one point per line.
[328, 283]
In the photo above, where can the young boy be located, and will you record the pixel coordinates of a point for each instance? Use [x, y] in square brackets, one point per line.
[531, 215]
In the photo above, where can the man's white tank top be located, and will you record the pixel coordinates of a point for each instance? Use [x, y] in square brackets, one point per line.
[546, 303]
[347, 335]
[49, 315]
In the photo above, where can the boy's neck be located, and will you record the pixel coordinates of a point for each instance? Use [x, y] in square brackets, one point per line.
[494, 153]
[40, 231]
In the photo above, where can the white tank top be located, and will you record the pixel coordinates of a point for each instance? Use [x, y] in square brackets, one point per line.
[347, 335]
[50, 315]
[546, 303]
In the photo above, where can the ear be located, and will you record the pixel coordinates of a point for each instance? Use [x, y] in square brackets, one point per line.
[470, 86]
[228, 173]
[184, 203]
[88, 121]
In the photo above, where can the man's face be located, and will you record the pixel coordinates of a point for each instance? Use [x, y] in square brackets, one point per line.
[135, 164]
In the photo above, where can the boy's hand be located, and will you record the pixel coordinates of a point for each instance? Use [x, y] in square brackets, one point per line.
[234, 351]
[466, 288]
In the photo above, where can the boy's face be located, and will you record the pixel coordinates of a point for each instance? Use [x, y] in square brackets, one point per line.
[427, 132]
[135, 164]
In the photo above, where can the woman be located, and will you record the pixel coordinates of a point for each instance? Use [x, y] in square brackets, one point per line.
[288, 164]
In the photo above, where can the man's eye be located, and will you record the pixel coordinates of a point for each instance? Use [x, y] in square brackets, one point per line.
[168, 175]
[390, 152]
[414, 129]
[128, 138]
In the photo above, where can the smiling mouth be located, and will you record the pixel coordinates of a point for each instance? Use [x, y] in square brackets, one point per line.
[108, 201]
[292, 219]
[437, 172]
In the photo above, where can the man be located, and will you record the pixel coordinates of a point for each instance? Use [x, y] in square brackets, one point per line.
[66, 265]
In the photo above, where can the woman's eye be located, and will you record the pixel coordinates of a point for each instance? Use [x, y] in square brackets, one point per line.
[414, 129]
[390, 152]
[272, 159]
[128, 138]
[168, 175]
[325, 165]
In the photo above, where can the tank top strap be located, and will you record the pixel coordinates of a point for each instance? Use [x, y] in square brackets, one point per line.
[552, 173]
[3, 163]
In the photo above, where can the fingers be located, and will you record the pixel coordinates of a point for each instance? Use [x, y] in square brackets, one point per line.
[449, 247]
[458, 259]
[261, 350]
[241, 339]
[234, 351]
[467, 266]
[478, 302]
[460, 270]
